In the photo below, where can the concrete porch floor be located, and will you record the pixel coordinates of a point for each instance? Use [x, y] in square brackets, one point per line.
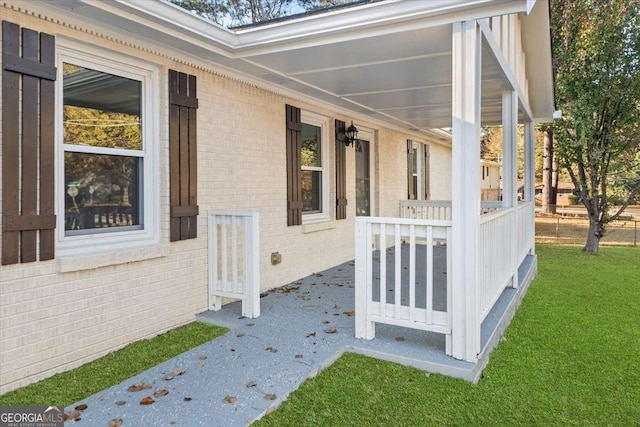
[291, 341]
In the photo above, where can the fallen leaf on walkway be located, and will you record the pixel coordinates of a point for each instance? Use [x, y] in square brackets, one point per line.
[250, 324]
[271, 349]
[336, 314]
[270, 396]
[239, 334]
[349, 313]
[81, 407]
[399, 338]
[251, 384]
[229, 399]
[121, 402]
[325, 322]
[160, 393]
[187, 399]
[337, 307]
[147, 400]
[318, 275]
[233, 349]
[139, 386]
[311, 334]
[331, 330]
[201, 365]
[202, 357]
[116, 422]
[101, 397]
[172, 375]
[298, 356]
[73, 415]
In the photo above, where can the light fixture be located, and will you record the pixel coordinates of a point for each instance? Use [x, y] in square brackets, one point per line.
[351, 133]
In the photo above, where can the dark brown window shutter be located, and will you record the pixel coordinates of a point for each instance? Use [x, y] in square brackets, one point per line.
[411, 192]
[28, 77]
[183, 165]
[426, 168]
[294, 142]
[341, 171]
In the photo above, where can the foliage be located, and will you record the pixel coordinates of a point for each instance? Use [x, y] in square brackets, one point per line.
[232, 13]
[596, 58]
[68, 387]
[569, 357]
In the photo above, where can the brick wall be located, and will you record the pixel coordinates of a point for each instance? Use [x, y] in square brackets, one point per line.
[59, 314]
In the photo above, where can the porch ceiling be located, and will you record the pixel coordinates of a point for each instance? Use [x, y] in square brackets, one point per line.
[388, 62]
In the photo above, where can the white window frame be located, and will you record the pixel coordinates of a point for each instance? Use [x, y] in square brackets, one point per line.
[322, 122]
[125, 66]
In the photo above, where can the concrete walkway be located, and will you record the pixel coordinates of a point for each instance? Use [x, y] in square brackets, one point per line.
[236, 379]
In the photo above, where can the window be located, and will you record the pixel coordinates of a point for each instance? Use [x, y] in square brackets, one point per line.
[418, 169]
[106, 117]
[313, 160]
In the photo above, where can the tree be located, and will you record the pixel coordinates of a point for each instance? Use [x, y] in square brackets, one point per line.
[231, 13]
[596, 58]
[549, 173]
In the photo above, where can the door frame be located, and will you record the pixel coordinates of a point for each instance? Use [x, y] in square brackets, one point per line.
[369, 135]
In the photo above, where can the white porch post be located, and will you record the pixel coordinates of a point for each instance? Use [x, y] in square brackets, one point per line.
[530, 174]
[465, 200]
[510, 171]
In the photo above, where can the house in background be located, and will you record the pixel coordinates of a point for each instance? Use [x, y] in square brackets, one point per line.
[490, 180]
[154, 163]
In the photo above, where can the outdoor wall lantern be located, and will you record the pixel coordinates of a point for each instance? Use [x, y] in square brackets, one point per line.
[352, 134]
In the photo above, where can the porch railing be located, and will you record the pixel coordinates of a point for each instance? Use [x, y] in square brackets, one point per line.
[439, 209]
[234, 265]
[396, 272]
[525, 226]
[496, 257]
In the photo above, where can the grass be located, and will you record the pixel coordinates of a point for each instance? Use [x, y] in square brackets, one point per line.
[571, 357]
[74, 385]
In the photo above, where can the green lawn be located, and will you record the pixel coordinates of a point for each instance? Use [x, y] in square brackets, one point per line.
[571, 357]
[71, 386]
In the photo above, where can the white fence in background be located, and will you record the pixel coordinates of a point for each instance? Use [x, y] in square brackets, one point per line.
[234, 267]
[497, 257]
[525, 225]
[389, 234]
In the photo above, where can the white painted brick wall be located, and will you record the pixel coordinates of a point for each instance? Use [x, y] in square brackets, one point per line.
[52, 319]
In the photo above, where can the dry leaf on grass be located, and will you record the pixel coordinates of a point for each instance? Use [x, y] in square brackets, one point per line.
[116, 422]
[229, 399]
[81, 407]
[147, 400]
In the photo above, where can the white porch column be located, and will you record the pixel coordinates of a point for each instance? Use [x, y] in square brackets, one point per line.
[510, 172]
[530, 175]
[465, 200]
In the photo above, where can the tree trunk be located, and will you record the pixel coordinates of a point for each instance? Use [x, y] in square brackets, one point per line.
[554, 180]
[596, 230]
[548, 195]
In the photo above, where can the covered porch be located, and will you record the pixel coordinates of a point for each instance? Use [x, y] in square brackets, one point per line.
[312, 321]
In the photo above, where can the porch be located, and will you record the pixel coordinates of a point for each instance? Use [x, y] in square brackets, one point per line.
[315, 318]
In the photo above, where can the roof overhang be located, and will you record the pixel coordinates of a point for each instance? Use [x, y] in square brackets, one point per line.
[388, 61]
